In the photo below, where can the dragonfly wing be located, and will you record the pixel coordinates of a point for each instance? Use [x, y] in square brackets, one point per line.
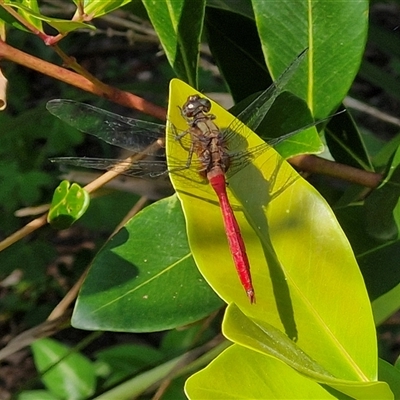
[128, 133]
[255, 112]
[139, 169]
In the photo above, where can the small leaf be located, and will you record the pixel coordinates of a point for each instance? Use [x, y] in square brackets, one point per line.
[63, 26]
[95, 8]
[66, 374]
[69, 204]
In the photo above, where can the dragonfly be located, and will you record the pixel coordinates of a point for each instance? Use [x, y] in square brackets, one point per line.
[215, 154]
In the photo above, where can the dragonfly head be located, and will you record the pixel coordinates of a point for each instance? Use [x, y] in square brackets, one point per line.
[195, 105]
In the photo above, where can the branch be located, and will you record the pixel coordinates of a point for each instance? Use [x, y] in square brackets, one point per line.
[314, 164]
[100, 89]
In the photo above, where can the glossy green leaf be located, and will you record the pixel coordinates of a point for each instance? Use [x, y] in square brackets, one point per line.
[66, 374]
[251, 375]
[391, 375]
[238, 7]
[386, 305]
[346, 143]
[307, 282]
[382, 207]
[280, 126]
[240, 48]
[277, 115]
[286, 116]
[145, 279]
[334, 32]
[62, 26]
[179, 24]
[379, 276]
[69, 203]
[126, 360]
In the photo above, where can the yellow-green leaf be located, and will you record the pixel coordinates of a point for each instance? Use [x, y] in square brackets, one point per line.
[305, 276]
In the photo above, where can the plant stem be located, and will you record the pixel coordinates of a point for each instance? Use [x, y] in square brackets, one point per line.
[111, 93]
[314, 164]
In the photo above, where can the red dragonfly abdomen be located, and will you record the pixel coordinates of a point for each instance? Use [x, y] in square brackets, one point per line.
[235, 240]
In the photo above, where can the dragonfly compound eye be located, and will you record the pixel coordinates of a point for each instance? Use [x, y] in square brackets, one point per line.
[195, 105]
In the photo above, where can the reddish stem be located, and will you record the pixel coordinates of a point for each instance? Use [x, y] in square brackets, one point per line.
[311, 163]
[117, 96]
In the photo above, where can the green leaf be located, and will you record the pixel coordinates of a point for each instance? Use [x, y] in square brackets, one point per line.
[66, 374]
[127, 360]
[391, 375]
[282, 122]
[96, 8]
[240, 48]
[277, 114]
[251, 375]
[379, 276]
[238, 7]
[36, 394]
[268, 340]
[386, 305]
[382, 207]
[62, 26]
[33, 6]
[145, 279]
[9, 19]
[179, 24]
[346, 144]
[69, 204]
[335, 34]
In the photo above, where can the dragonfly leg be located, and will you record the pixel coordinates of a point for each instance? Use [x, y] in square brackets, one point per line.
[190, 156]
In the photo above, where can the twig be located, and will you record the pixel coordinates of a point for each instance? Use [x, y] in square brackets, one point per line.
[349, 102]
[91, 187]
[113, 94]
[314, 164]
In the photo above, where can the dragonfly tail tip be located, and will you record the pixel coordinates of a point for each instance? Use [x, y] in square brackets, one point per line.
[251, 296]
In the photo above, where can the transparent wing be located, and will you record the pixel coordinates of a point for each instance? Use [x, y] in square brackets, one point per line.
[128, 133]
[255, 112]
[139, 169]
[147, 169]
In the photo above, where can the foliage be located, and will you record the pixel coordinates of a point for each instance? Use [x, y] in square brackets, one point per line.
[312, 330]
